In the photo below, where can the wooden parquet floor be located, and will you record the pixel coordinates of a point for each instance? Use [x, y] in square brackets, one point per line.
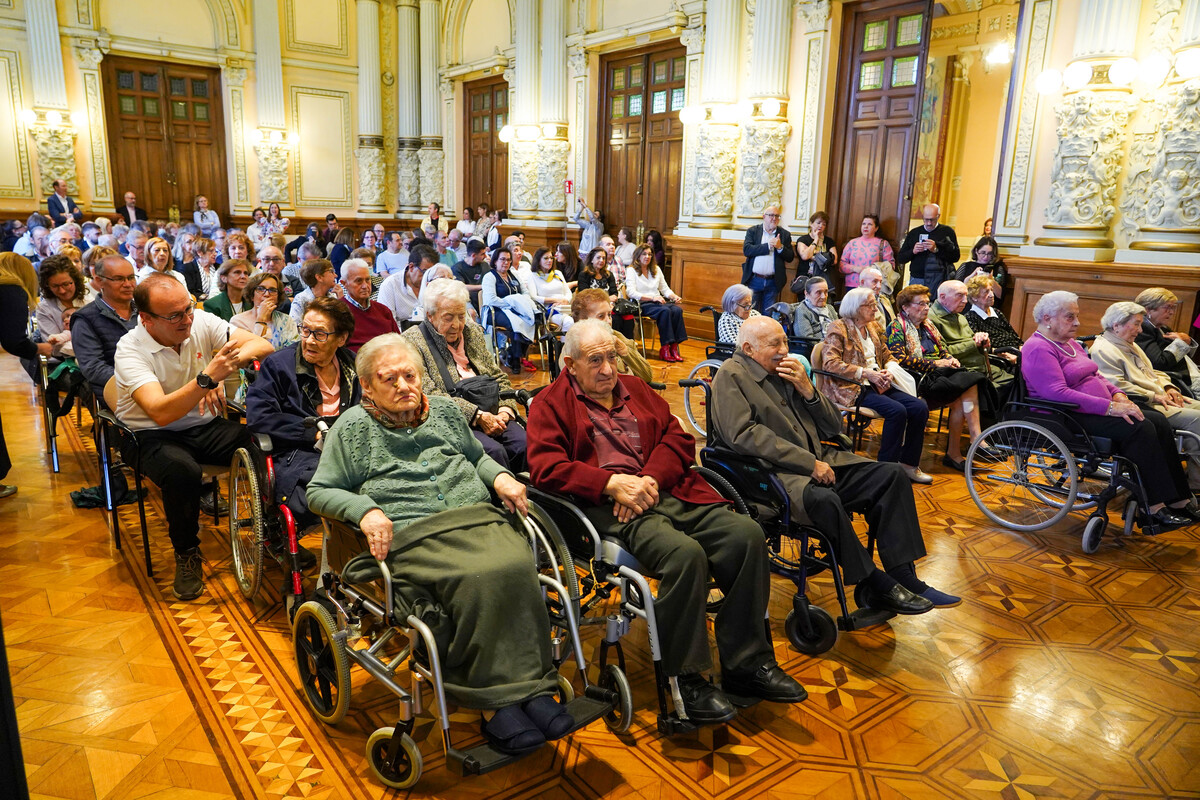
[1060, 676]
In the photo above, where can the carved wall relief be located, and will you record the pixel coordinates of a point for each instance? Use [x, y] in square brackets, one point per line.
[552, 173]
[55, 157]
[273, 173]
[430, 161]
[760, 183]
[716, 161]
[408, 178]
[371, 175]
[523, 167]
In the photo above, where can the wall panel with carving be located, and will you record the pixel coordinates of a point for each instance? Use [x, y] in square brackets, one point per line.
[323, 158]
[318, 30]
[15, 179]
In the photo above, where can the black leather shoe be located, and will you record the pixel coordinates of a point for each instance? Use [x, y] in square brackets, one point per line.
[704, 703]
[947, 461]
[768, 682]
[1192, 509]
[898, 600]
[1166, 519]
[206, 505]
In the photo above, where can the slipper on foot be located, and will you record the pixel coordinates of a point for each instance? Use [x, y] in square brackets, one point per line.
[940, 599]
[549, 716]
[510, 731]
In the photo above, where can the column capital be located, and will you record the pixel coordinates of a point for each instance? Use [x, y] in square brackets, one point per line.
[234, 72]
[577, 60]
[816, 14]
[88, 53]
[693, 39]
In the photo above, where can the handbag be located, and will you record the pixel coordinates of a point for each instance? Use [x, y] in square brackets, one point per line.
[481, 391]
[625, 307]
[902, 379]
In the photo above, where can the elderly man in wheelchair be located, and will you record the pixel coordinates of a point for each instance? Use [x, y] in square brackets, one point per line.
[405, 468]
[611, 442]
[765, 407]
[294, 388]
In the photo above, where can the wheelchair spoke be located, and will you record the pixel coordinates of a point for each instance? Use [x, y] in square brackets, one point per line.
[1026, 480]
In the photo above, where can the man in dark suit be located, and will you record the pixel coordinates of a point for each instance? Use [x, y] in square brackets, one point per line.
[130, 211]
[930, 250]
[764, 406]
[768, 249]
[62, 208]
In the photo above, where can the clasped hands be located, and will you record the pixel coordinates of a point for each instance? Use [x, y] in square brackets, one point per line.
[632, 495]
[491, 424]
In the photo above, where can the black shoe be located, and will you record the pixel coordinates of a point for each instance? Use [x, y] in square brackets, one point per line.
[1167, 519]
[768, 682]
[307, 559]
[898, 600]
[704, 703]
[947, 461]
[206, 504]
[1192, 509]
[511, 732]
[189, 575]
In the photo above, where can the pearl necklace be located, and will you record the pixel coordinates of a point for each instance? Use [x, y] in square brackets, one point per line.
[1072, 353]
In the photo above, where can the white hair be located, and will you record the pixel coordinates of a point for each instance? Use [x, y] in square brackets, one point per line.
[1051, 304]
[870, 271]
[370, 353]
[1119, 313]
[585, 330]
[349, 264]
[853, 301]
[734, 295]
[443, 290]
[949, 286]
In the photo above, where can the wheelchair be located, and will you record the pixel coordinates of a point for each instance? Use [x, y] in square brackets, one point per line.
[1039, 465]
[327, 628]
[718, 353]
[797, 552]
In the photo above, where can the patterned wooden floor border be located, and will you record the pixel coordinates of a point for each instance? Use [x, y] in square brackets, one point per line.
[1061, 675]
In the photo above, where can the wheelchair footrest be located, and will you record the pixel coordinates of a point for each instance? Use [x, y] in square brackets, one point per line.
[585, 710]
[863, 618]
[479, 760]
[671, 725]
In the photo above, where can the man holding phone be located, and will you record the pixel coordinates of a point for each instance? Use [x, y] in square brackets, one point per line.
[169, 373]
[930, 250]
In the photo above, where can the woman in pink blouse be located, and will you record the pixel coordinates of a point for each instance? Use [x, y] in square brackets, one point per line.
[864, 251]
[1058, 368]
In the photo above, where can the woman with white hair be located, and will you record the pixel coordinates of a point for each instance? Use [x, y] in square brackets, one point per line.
[458, 364]
[404, 467]
[737, 306]
[1128, 367]
[1171, 352]
[1057, 368]
[856, 350]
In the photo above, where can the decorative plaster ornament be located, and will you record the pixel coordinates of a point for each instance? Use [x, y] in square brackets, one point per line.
[716, 160]
[552, 174]
[431, 161]
[761, 181]
[523, 162]
[273, 173]
[56, 157]
[371, 169]
[1087, 160]
[408, 178]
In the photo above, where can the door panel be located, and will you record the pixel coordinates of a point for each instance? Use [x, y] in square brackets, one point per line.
[641, 159]
[884, 47]
[487, 156]
[170, 125]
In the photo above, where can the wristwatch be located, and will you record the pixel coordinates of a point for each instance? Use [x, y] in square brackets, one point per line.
[206, 381]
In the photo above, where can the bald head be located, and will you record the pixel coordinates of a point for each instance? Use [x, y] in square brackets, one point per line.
[764, 341]
[930, 215]
[952, 295]
[771, 215]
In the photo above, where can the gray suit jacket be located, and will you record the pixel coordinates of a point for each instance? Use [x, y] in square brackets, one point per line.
[763, 416]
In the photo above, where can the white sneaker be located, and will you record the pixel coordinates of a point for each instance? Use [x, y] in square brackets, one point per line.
[915, 474]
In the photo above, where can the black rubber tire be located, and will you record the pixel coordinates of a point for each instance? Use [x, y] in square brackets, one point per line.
[322, 663]
[1093, 531]
[1131, 511]
[247, 523]
[824, 629]
[621, 717]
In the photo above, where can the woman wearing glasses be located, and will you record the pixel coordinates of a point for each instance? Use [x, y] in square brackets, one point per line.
[738, 306]
[312, 377]
[265, 319]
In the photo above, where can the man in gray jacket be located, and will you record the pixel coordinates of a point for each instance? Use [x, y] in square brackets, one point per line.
[765, 406]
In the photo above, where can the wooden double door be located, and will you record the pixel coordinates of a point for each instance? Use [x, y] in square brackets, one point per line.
[166, 134]
[884, 49]
[640, 169]
[487, 156]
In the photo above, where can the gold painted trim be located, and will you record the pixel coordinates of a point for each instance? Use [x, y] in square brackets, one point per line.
[1095, 244]
[1166, 247]
[347, 198]
[303, 47]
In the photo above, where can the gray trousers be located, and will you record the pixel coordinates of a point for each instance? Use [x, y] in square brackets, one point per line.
[683, 543]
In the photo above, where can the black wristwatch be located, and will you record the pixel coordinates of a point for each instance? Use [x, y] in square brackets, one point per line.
[206, 381]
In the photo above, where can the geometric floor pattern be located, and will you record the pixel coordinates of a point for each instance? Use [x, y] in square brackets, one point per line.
[1061, 675]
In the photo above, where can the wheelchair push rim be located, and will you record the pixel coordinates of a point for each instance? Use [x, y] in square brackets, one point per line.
[695, 398]
[1024, 465]
[246, 524]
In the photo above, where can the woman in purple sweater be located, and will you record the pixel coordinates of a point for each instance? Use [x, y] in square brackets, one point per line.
[1058, 368]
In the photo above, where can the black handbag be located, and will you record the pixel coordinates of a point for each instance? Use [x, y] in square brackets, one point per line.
[482, 391]
[626, 308]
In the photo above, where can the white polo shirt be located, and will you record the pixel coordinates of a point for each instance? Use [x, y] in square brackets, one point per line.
[140, 360]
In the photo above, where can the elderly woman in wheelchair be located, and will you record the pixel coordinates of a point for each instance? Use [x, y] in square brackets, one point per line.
[1057, 368]
[294, 387]
[406, 469]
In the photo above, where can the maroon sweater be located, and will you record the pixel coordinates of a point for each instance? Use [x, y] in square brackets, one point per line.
[562, 457]
[368, 324]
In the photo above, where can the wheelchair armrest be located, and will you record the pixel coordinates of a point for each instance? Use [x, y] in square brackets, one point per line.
[840, 441]
[705, 309]
[234, 409]
[657, 386]
[263, 441]
[568, 506]
[344, 528]
[841, 378]
[1045, 405]
[522, 396]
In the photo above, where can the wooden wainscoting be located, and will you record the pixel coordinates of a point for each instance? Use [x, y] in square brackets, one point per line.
[1098, 287]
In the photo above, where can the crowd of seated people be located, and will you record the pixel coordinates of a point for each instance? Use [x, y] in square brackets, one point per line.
[424, 435]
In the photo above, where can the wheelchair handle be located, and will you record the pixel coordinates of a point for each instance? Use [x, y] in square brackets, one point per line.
[321, 427]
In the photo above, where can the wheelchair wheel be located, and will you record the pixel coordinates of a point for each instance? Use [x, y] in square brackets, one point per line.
[405, 771]
[322, 663]
[246, 523]
[1025, 480]
[566, 573]
[621, 717]
[824, 631]
[1130, 516]
[694, 399]
[1093, 531]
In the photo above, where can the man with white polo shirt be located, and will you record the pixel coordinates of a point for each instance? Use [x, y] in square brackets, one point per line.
[169, 371]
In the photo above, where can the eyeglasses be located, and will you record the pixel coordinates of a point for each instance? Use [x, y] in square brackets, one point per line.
[771, 216]
[176, 318]
[744, 305]
[316, 334]
[920, 303]
[270, 258]
[265, 290]
[119, 278]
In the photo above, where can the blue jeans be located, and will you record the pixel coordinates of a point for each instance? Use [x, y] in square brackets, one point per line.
[933, 279]
[764, 290]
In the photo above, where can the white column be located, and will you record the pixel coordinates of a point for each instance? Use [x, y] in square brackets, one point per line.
[765, 135]
[1106, 28]
[408, 108]
[430, 158]
[717, 141]
[1189, 24]
[268, 66]
[553, 148]
[722, 45]
[46, 55]
[523, 156]
[370, 116]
